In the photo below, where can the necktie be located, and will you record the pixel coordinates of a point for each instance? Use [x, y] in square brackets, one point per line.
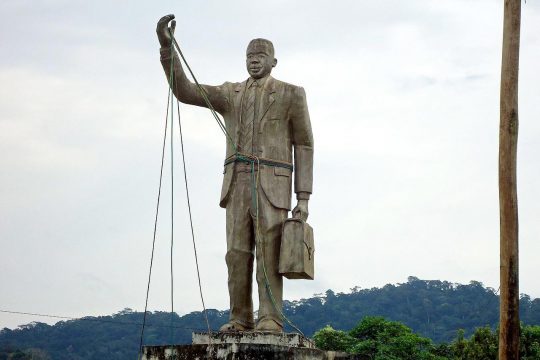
[248, 119]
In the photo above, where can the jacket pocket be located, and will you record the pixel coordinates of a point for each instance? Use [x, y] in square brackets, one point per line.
[281, 171]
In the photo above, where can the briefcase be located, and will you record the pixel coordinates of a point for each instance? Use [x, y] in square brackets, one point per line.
[297, 249]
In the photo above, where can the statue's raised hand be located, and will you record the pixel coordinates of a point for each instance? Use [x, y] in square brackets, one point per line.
[164, 31]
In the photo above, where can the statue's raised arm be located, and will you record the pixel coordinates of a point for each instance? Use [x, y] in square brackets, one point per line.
[185, 90]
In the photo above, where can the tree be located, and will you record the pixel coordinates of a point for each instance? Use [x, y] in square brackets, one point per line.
[482, 345]
[530, 343]
[378, 339]
[336, 340]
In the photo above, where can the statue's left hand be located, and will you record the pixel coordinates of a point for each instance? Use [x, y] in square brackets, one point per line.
[301, 210]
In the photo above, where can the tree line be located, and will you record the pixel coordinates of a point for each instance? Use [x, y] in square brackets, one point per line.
[436, 310]
[375, 338]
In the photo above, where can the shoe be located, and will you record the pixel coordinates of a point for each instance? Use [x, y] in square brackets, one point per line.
[269, 325]
[233, 326]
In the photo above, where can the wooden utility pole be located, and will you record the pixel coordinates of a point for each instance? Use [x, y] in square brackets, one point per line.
[508, 134]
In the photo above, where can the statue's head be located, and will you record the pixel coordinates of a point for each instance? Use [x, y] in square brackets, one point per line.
[260, 58]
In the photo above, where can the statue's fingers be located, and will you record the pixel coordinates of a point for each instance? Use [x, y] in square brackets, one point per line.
[165, 20]
[168, 18]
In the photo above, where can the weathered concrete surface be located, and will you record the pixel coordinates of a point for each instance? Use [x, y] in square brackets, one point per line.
[253, 337]
[239, 352]
[253, 345]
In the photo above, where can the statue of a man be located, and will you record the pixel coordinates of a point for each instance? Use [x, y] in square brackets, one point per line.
[266, 119]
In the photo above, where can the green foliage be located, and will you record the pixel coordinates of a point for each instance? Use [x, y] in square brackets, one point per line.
[381, 340]
[29, 354]
[330, 339]
[114, 337]
[530, 343]
[483, 344]
[429, 309]
[378, 339]
[458, 347]
[432, 308]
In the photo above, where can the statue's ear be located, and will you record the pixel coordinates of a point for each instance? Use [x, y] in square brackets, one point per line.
[274, 63]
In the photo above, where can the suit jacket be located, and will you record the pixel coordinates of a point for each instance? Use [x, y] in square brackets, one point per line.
[283, 125]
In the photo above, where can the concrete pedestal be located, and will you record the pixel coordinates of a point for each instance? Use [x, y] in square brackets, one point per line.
[243, 346]
[253, 337]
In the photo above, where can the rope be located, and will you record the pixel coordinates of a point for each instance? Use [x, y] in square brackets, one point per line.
[171, 103]
[155, 224]
[191, 221]
[172, 198]
[201, 90]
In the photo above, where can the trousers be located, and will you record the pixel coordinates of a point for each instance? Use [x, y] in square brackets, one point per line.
[243, 246]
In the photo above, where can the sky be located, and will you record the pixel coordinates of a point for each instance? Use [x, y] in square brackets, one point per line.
[404, 105]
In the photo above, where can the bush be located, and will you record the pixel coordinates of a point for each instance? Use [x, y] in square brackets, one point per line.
[329, 339]
[378, 339]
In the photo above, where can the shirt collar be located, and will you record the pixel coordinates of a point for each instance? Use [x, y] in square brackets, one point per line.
[260, 82]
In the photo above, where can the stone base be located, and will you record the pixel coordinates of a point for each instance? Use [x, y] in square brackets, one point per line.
[243, 346]
[253, 337]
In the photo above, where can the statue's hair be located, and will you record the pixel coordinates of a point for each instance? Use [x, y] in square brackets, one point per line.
[268, 43]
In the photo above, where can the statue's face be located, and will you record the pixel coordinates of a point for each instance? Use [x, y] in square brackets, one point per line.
[259, 59]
